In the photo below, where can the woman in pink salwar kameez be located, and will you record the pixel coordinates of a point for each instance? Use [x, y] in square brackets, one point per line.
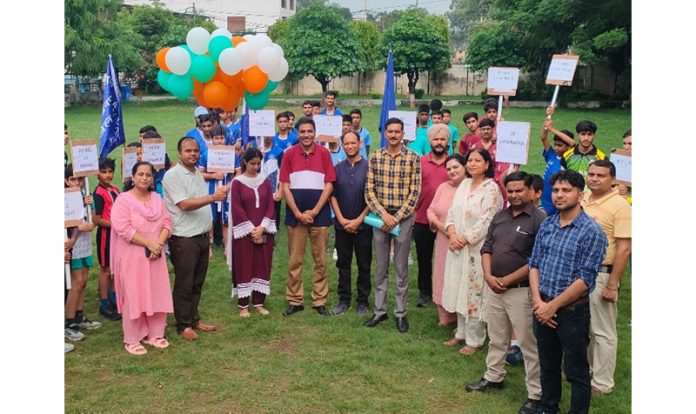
[140, 226]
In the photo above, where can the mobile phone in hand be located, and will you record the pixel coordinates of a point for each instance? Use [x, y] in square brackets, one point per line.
[148, 253]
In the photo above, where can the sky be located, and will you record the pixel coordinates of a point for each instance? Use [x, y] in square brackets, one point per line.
[376, 6]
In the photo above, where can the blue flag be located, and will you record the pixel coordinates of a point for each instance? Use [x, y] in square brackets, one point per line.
[111, 120]
[388, 99]
[244, 126]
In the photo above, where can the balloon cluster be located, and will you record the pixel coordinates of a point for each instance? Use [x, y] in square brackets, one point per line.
[218, 68]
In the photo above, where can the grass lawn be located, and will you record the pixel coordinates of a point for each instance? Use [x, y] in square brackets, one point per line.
[306, 363]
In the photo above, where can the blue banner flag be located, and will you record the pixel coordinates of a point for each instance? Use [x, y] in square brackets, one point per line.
[388, 99]
[111, 120]
[244, 126]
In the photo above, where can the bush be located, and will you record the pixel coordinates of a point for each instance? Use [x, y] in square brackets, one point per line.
[419, 93]
[376, 95]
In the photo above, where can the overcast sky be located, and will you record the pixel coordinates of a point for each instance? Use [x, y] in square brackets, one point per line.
[375, 6]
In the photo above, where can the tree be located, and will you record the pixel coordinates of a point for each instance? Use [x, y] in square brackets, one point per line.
[463, 14]
[420, 43]
[278, 30]
[319, 42]
[493, 43]
[92, 33]
[369, 40]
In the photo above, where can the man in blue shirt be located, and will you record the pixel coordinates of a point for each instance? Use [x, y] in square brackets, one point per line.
[421, 144]
[568, 251]
[330, 102]
[364, 134]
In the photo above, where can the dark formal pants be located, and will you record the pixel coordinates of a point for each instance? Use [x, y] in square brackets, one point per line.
[189, 256]
[425, 244]
[361, 244]
[567, 342]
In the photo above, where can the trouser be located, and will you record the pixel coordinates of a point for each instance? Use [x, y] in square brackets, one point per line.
[277, 214]
[402, 244]
[361, 244]
[257, 299]
[471, 330]
[152, 326]
[297, 242]
[567, 342]
[603, 337]
[425, 244]
[217, 232]
[504, 312]
[189, 256]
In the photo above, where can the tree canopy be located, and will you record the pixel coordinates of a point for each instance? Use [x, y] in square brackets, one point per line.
[369, 40]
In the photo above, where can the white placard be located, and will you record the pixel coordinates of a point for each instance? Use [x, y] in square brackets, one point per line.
[83, 245]
[262, 123]
[622, 161]
[221, 158]
[512, 144]
[74, 207]
[154, 151]
[130, 157]
[562, 70]
[410, 120]
[85, 156]
[328, 125]
[503, 81]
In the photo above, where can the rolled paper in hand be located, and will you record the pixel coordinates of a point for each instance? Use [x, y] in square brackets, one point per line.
[374, 221]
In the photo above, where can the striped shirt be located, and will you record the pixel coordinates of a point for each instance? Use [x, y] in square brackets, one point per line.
[565, 254]
[393, 183]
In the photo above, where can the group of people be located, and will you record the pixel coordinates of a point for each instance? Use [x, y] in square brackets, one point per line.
[533, 263]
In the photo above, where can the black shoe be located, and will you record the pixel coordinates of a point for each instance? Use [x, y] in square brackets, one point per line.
[293, 309]
[375, 320]
[321, 310]
[109, 314]
[361, 310]
[423, 301]
[483, 385]
[530, 407]
[402, 324]
[340, 308]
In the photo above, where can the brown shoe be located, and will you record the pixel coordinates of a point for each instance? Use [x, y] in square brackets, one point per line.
[189, 334]
[205, 327]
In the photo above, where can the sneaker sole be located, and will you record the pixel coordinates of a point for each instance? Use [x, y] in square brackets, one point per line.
[74, 339]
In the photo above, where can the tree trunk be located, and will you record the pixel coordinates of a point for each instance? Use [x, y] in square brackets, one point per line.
[324, 82]
[412, 80]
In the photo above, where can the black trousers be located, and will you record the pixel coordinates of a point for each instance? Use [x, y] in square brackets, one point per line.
[425, 244]
[361, 244]
[189, 256]
[568, 342]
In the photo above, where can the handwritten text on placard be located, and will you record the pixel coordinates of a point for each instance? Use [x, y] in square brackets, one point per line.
[562, 70]
[85, 157]
[328, 125]
[130, 157]
[74, 207]
[513, 142]
[622, 162]
[153, 152]
[221, 158]
[262, 123]
[503, 81]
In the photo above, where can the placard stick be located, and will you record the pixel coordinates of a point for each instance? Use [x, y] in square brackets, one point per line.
[500, 108]
[553, 101]
[89, 207]
[218, 204]
[68, 285]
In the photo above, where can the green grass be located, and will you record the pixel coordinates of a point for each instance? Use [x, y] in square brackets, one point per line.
[305, 363]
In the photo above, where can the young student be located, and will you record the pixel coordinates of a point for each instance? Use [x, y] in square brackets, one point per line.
[104, 197]
[625, 191]
[579, 158]
[562, 142]
[471, 120]
[232, 125]
[204, 122]
[284, 138]
[436, 105]
[316, 107]
[335, 148]
[149, 131]
[307, 109]
[364, 134]
[219, 210]
[79, 268]
[330, 101]
[291, 121]
[421, 145]
[538, 187]
[490, 110]
[454, 132]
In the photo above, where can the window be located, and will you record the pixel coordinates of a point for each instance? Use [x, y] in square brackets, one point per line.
[284, 4]
[292, 4]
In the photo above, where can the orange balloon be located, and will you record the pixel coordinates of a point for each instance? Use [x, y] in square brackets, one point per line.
[237, 40]
[255, 79]
[215, 94]
[231, 81]
[235, 94]
[160, 59]
[198, 88]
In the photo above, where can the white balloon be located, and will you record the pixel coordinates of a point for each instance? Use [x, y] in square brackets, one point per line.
[220, 32]
[197, 40]
[250, 56]
[280, 49]
[264, 40]
[268, 59]
[178, 60]
[231, 60]
[280, 72]
[248, 37]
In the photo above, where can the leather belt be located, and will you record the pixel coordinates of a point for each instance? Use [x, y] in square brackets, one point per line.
[571, 306]
[523, 284]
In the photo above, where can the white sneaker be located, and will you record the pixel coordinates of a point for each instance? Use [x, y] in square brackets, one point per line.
[87, 324]
[335, 255]
[69, 347]
[74, 334]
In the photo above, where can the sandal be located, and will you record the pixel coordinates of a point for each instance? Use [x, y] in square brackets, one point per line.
[160, 343]
[453, 342]
[136, 349]
[468, 350]
[261, 310]
[244, 313]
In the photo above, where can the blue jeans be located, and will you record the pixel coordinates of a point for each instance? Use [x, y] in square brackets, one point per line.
[567, 342]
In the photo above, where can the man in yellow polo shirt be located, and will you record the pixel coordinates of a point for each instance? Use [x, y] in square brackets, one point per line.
[613, 213]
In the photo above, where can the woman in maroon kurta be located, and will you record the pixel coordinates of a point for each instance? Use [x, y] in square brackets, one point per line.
[253, 227]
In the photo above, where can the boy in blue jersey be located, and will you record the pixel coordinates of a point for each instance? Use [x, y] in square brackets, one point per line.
[284, 138]
[421, 145]
[364, 134]
[215, 179]
[454, 132]
[330, 102]
[562, 142]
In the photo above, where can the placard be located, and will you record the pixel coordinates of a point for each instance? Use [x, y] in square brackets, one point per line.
[503, 81]
[512, 144]
[221, 158]
[410, 120]
[622, 162]
[262, 123]
[329, 127]
[74, 207]
[128, 160]
[154, 151]
[85, 156]
[562, 70]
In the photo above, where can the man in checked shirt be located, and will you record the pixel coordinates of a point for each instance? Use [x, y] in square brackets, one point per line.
[568, 251]
[392, 190]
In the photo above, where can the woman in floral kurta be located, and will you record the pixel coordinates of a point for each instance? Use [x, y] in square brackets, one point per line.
[475, 203]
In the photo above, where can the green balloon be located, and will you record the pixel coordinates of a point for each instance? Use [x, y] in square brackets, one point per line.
[256, 101]
[270, 86]
[181, 86]
[163, 79]
[202, 68]
[217, 45]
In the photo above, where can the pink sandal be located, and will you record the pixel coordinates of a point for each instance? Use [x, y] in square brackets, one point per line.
[136, 349]
[160, 343]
